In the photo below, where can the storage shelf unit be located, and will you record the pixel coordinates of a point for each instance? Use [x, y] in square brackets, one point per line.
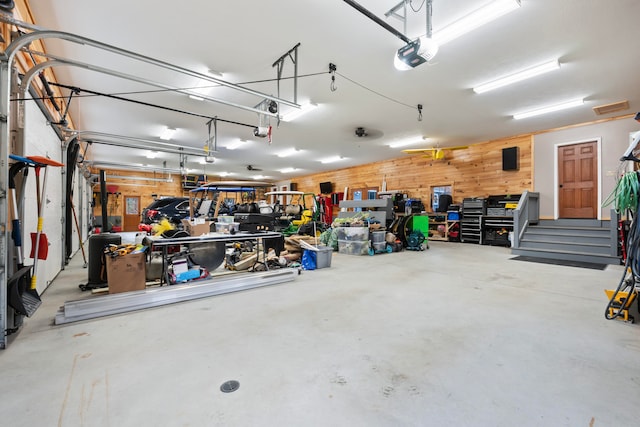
[471, 223]
[496, 230]
[498, 222]
[435, 221]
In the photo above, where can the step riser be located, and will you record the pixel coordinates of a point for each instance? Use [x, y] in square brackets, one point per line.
[596, 250]
[559, 231]
[575, 223]
[554, 238]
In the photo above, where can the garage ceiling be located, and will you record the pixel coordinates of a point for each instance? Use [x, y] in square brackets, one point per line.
[593, 41]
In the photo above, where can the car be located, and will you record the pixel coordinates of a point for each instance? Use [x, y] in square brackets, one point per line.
[174, 209]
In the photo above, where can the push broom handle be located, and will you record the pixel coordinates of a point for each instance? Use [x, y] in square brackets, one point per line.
[40, 196]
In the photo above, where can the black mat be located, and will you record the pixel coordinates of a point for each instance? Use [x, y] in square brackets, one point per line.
[564, 262]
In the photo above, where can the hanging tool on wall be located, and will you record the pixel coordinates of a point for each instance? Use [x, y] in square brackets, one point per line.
[19, 295]
[75, 219]
[40, 162]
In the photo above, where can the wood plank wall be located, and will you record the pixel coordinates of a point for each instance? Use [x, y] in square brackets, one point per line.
[473, 172]
[143, 189]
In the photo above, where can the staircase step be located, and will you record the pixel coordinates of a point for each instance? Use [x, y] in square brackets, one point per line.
[569, 231]
[575, 222]
[567, 238]
[587, 248]
[571, 256]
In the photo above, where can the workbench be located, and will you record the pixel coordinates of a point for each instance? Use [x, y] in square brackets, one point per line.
[164, 243]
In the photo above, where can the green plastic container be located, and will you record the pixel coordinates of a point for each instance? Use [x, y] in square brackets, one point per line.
[420, 222]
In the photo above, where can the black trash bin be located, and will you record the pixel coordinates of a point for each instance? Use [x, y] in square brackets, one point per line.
[97, 242]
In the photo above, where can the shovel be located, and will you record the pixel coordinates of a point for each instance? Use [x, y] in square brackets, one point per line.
[21, 297]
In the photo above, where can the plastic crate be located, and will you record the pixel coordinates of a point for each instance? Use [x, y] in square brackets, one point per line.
[227, 227]
[353, 247]
[378, 236]
[352, 233]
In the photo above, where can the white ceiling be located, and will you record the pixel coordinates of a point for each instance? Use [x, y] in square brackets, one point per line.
[594, 41]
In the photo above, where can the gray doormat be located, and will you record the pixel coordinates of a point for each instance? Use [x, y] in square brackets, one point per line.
[564, 262]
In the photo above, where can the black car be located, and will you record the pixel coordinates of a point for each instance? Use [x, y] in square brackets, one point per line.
[172, 208]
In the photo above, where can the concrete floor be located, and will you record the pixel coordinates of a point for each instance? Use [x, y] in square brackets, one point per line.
[456, 335]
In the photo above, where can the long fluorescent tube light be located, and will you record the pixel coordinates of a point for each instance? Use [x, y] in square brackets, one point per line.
[519, 76]
[235, 144]
[131, 166]
[288, 170]
[288, 152]
[294, 114]
[331, 159]
[407, 141]
[549, 109]
[474, 20]
[167, 133]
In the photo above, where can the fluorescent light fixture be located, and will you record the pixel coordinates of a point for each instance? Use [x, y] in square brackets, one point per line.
[331, 159]
[294, 114]
[152, 154]
[224, 173]
[167, 133]
[234, 145]
[260, 177]
[407, 141]
[474, 20]
[519, 76]
[549, 109]
[207, 160]
[288, 152]
[288, 170]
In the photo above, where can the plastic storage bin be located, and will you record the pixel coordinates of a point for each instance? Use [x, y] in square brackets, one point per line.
[225, 218]
[379, 246]
[378, 236]
[227, 227]
[353, 247]
[323, 258]
[353, 233]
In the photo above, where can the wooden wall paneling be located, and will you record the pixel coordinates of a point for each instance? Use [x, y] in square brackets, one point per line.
[474, 172]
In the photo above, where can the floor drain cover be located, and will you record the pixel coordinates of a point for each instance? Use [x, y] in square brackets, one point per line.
[230, 386]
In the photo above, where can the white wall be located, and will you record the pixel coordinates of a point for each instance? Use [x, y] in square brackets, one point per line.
[41, 140]
[614, 136]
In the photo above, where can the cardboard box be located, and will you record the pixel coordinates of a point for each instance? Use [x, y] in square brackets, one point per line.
[196, 228]
[126, 273]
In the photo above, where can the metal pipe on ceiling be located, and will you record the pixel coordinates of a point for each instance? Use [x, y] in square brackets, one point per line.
[56, 60]
[40, 33]
[112, 139]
